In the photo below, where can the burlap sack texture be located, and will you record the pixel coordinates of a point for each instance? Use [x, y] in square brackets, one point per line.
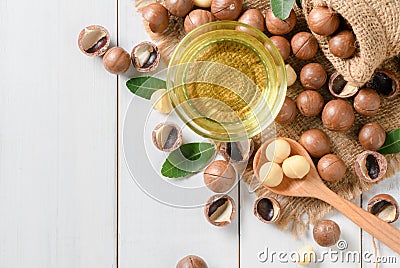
[376, 25]
[298, 213]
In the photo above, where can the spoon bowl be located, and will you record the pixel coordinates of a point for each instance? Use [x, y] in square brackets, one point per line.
[313, 186]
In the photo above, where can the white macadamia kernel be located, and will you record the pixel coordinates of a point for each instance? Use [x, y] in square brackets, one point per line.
[296, 167]
[271, 174]
[202, 3]
[291, 75]
[161, 102]
[305, 255]
[277, 151]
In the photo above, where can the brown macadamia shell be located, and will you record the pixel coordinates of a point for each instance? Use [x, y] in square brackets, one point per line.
[276, 26]
[156, 15]
[323, 21]
[116, 60]
[370, 166]
[326, 233]
[288, 112]
[316, 142]
[338, 115]
[343, 44]
[304, 45]
[310, 103]
[220, 176]
[252, 17]
[385, 207]
[267, 209]
[220, 210]
[191, 261]
[226, 9]
[197, 18]
[94, 40]
[331, 168]
[179, 8]
[372, 136]
[282, 44]
[367, 102]
[313, 76]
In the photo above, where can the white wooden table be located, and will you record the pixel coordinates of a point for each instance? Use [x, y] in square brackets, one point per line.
[66, 196]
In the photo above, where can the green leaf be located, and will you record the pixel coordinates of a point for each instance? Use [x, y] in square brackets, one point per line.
[298, 2]
[282, 8]
[392, 143]
[188, 159]
[145, 86]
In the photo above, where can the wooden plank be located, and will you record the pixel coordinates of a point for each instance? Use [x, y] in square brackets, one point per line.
[387, 258]
[57, 138]
[153, 234]
[259, 241]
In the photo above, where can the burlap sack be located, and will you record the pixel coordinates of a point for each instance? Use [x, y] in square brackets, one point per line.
[376, 25]
[298, 213]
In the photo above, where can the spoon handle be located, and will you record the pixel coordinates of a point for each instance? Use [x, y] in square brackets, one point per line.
[378, 228]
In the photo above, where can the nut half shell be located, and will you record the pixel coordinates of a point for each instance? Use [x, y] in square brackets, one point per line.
[385, 82]
[94, 40]
[370, 166]
[237, 152]
[267, 209]
[340, 88]
[385, 207]
[167, 136]
[145, 57]
[220, 210]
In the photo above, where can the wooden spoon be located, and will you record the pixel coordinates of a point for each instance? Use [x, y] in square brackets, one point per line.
[312, 186]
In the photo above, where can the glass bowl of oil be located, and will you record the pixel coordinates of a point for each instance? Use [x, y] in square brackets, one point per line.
[226, 81]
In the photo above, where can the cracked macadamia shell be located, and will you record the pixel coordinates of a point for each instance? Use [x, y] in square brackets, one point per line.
[220, 210]
[370, 166]
[94, 40]
[385, 207]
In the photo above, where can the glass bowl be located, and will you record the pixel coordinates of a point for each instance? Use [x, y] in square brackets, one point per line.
[226, 81]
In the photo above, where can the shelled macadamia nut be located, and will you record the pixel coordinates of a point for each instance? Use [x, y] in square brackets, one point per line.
[310, 103]
[316, 142]
[156, 15]
[220, 210]
[277, 151]
[291, 75]
[161, 101]
[271, 174]
[267, 209]
[287, 113]
[220, 176]
[116, 60]
[226, 9]
[94, 40]
[305, 255]
[296, 167]
[276, 26]
[331, 168]
[304, 45]
[372, 136]
[202, 3]
[323, 21]
[338, 115]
